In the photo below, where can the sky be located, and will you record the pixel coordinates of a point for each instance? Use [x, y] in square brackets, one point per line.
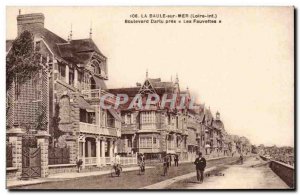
[242, 67]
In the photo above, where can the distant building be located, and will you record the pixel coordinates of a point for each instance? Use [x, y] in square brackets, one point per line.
[155, 131]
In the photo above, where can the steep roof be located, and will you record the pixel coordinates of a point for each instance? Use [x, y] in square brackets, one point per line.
[218, 124]
[76, 51]
[130, 91]
[157, 83]
[208, 116]
[50, 38]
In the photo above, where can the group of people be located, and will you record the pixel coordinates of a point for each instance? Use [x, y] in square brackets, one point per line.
[167, 162]
[200, 164]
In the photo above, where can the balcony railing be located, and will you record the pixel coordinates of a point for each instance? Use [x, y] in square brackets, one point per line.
[128, 160]
[97, 93]
[90, 160]
[192, 123]
[96, 129]
[89, 128]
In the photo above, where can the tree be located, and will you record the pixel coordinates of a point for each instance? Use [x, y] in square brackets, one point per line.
[22, 60]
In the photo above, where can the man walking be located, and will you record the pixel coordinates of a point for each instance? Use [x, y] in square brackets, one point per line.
[200, 163]
[176, 159]
[241, 159]
[166, 164]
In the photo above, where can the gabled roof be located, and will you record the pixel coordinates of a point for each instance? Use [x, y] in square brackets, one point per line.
[208, 117]
[130, 91]
[50, 38]
[76, 51]
[218, 124]
[157, 83]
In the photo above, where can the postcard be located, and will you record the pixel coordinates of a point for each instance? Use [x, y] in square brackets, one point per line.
[150, 98]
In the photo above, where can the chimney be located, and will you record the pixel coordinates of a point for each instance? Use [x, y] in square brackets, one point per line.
[218, 115]
[30, 21]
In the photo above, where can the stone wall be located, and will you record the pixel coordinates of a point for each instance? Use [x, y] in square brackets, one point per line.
[285, 172]
[16, 141]
[54, 169]
[43, 143]
[69, 112]
[11, 173]
[73, 144]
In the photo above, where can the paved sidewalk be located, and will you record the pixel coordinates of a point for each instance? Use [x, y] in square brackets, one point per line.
[64, 176]
[253, 174]
[168, 182]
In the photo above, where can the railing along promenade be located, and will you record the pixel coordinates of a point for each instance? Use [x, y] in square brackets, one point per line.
[284, 171]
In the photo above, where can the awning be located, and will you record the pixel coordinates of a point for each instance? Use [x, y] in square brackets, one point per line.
[82, 104]
[100, 83]
[115, 115]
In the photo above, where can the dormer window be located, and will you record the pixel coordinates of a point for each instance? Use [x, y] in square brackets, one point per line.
[97, 70]
[96, 66]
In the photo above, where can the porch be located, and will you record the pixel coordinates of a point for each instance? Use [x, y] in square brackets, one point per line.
[100, 151]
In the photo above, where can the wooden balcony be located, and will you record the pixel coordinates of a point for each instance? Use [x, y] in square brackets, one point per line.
[96, 94]
[191, 123]
[97, 130]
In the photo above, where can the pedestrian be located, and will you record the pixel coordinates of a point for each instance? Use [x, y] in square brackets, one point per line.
[170, 160]
[241, 159]
[176, 159]
[200, 163]
[79, 163]
[166, 164]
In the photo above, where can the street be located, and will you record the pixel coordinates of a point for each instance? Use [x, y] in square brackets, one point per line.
[253, 174]
[127, 180]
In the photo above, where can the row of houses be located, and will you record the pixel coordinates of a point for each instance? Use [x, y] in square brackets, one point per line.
[284, 154]
[59, 107]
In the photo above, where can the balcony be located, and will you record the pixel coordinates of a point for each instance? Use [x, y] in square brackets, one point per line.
[90, 160]
[95, 129]
[191, 123]
[94, 94]
[172, 128]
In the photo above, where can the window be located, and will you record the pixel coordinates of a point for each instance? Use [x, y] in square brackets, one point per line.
[79, 85]
[148, 117]
[128, 119]
[96, 67]
[154, 140]
[129, 142]
[97, 70]
[145, 142]
[62, 71]
[110, 120]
